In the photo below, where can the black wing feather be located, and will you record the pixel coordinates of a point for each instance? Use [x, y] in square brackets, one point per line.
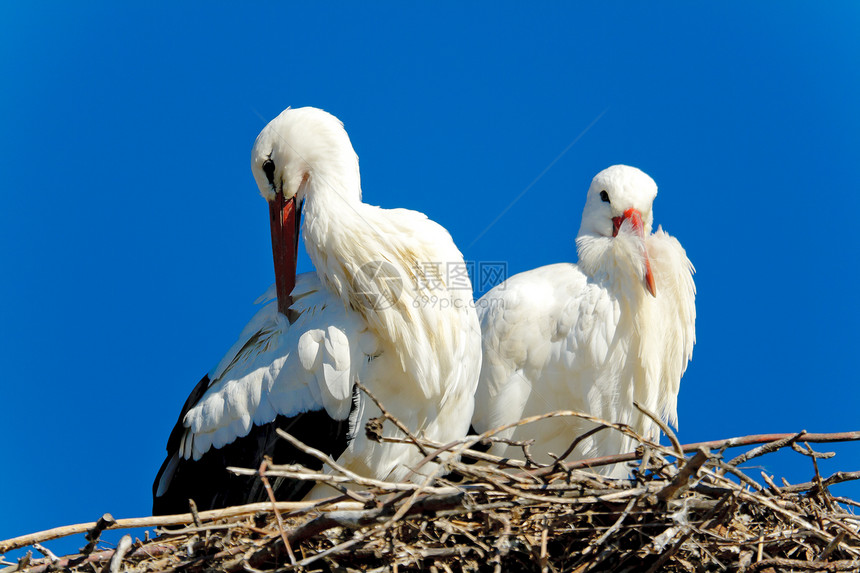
[211, 486]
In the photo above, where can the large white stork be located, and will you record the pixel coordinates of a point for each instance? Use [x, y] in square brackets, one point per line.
[594, 337]
[381, 308]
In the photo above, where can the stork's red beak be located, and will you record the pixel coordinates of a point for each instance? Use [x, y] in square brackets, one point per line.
[284, 219]
[635, 218]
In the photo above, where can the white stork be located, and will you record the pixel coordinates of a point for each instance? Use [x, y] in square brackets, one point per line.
[594, 337]
[381, 308]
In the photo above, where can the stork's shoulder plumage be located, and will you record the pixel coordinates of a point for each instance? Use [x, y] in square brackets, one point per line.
[551, 309]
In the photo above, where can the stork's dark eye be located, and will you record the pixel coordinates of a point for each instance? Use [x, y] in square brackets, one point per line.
[604, 196]
[269, 170]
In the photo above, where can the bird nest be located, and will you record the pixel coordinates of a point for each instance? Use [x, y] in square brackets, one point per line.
[685, 508]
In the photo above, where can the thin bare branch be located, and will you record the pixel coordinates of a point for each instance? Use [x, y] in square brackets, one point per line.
[388, 416]
[663, 426]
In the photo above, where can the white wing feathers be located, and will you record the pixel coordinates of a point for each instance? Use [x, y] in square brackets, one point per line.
[541, 328]
[278, 368]
[324, 353]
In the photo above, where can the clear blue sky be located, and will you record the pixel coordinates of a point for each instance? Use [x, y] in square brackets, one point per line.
[134, 240]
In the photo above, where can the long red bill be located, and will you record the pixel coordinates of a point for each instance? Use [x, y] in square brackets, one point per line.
[635, 218]
[284, 222]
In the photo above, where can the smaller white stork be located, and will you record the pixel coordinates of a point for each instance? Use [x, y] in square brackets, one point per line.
[593, 337]
[381, 308]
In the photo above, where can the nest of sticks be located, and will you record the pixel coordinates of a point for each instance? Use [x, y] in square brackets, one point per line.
[686, 508]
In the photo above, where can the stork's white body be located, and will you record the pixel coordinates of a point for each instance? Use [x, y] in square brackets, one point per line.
[366, 314]
[590, 337]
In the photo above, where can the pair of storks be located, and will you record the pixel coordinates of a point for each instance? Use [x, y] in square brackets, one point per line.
[382, 309]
